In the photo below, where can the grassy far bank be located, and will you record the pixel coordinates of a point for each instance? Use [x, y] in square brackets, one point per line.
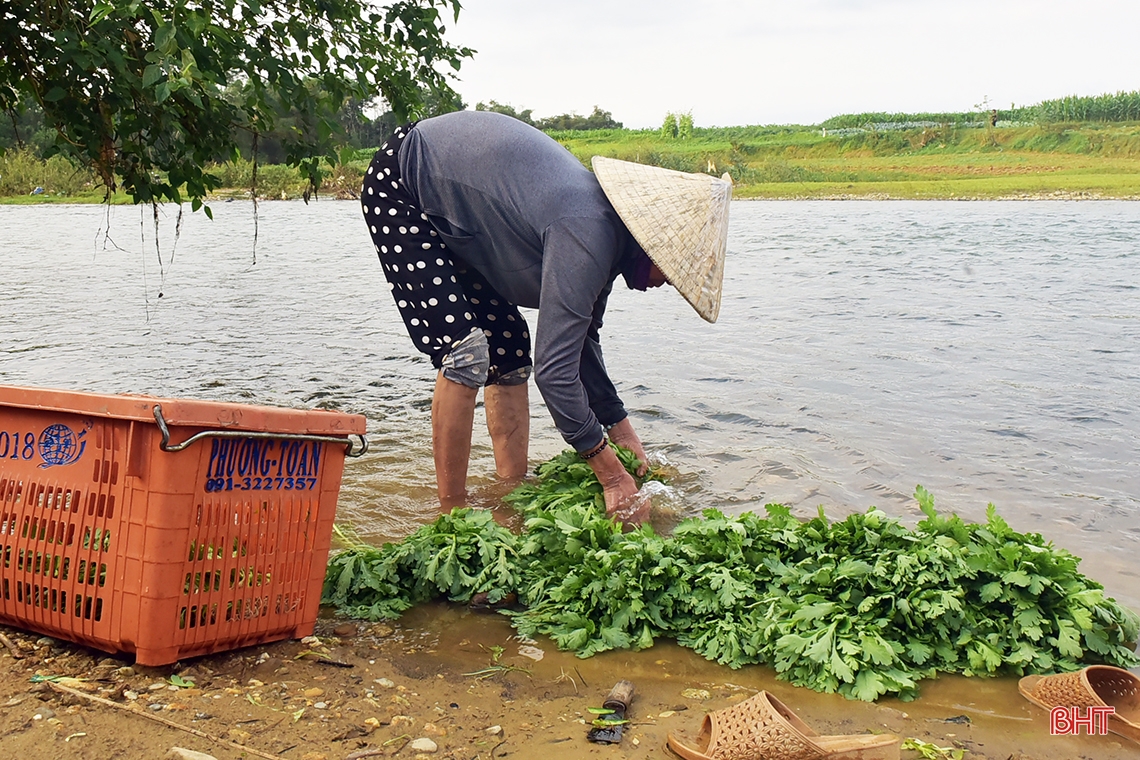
[923, 163]
[942, 162]
[970, 176]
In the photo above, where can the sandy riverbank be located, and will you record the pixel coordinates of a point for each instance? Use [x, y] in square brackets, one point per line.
[416, 679]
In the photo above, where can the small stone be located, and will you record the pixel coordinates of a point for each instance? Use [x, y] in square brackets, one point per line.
[253, 683]
[696, 694]
[313, 692]
[493, 731]
[380, 631]
[181, 753]
[177, 707]
[432, 729]
[131, 694]
[156, 706]
[43, 714]
[314, 756]
[126, 672]
[372, 722]
[321, 705]
[345, 630]
[402, 720]
[533, 653]
[890, 712]
[238, 736]
[424, 744]
[387, 683]
[157, 686]
[311, 641]
[666, 714]
[636, 742]
[45, 641]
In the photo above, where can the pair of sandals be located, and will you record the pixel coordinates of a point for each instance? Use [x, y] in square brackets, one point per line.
[764, 728]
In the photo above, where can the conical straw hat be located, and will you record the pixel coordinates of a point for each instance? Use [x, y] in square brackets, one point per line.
[679, 219]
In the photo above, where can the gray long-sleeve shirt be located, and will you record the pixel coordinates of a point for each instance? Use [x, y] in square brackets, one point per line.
[513, 203]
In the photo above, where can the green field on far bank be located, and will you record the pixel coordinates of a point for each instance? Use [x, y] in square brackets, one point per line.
[1100, 160]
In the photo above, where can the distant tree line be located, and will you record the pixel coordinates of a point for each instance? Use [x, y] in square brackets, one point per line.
[1118, 107]
[25, 127]
[363, 124]
[598, 119]
[1123, 106]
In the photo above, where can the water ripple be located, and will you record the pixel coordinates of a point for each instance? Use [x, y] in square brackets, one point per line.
[987, 351]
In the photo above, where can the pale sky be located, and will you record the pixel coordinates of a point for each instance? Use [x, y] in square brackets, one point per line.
[743, 62]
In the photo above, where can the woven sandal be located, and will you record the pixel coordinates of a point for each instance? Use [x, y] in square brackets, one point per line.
[1095, 686]
[763, 728]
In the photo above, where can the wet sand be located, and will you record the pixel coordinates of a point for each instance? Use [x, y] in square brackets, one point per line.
[432, 675]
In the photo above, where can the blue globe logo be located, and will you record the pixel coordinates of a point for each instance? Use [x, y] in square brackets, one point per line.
[59, 445]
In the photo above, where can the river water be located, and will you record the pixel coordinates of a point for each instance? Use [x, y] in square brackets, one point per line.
[989, 351]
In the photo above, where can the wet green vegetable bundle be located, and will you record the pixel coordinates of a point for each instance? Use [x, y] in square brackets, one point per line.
[864, 606]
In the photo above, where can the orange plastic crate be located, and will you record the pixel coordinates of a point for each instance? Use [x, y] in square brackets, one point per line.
[163, 527]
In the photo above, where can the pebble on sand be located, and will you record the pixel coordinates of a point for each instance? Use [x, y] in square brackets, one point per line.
[424, 744]
[181, 753]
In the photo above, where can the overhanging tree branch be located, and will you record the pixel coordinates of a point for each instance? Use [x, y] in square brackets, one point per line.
[149, 94]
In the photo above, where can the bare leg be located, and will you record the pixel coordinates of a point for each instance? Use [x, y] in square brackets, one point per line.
[452, 415]
[508, 422]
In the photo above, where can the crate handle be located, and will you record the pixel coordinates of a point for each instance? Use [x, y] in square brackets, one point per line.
[167, 446]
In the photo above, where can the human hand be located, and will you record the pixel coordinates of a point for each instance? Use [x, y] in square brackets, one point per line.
[633, 511]
[623, 435]
[619, 489]
[620, 497]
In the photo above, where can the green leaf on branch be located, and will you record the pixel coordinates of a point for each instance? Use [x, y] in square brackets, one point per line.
[138, 91]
